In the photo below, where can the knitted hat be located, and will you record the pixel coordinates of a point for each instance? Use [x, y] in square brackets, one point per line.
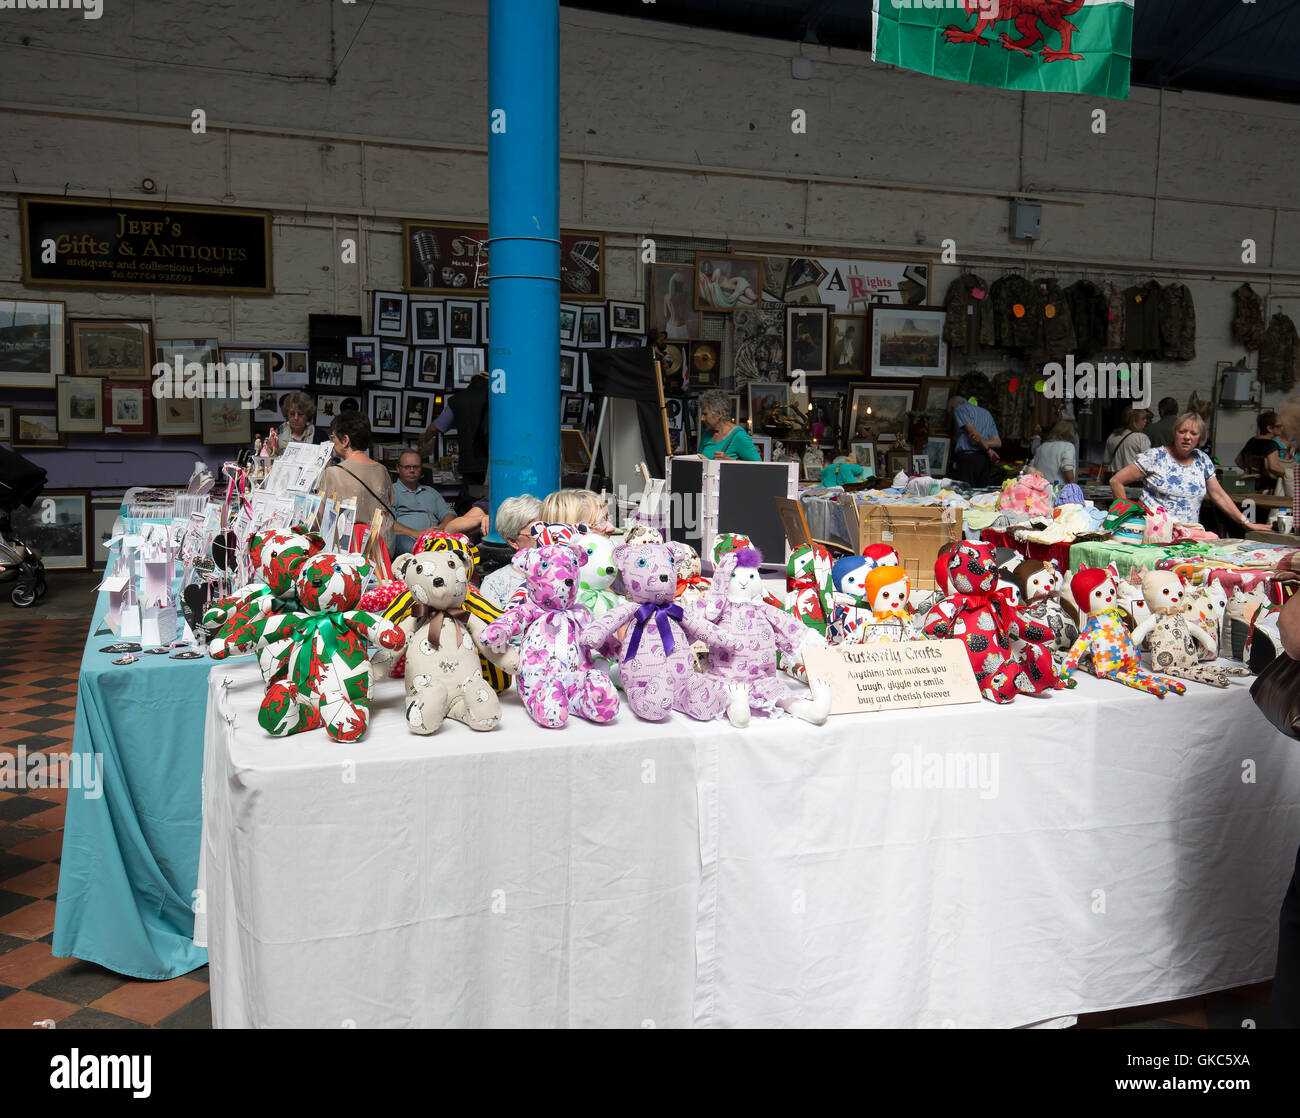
[1084, 583]
[881, 577]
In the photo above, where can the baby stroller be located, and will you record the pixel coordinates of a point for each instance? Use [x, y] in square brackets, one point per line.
[21, 568]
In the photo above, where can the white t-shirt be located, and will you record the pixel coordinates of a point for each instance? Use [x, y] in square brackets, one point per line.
[1053, 459]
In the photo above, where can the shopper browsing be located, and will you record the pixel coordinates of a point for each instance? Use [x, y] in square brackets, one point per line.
[577, 506]
[1055, 458]
[724, 438]
[976, 452]
[515, 516]
[1127, 443]
[358, 475]
[1263, 454]
[1161, 432]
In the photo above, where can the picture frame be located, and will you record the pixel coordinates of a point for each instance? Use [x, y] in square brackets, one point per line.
[119, 348]
[254, 356]
[900, 461]
[430, 369]
[865, 453]
[805, 331]
[104, 513]
[932, 398]
[451, 258]
[484, 308]
[939, 452]
[57, 524]
[735, 407]
[364, 350]
[336, 374]
[848, 344]
[268, 407]
[330, 404]
[705, 364]
[724, 281]
[393, 358]
[763, 444]
[908, 342]
[224, 421]
[128, 407]
[6, 424]
[427, 317]
[288, 366]
[627, 341]
[36, 358]
[920, 465]
[672, 302]
[674, 363]
[189, 351]
[450, 448]
[570, 370]
[388, 314]
[765, 396]
[417, 412]
[36, 428]
[826, 417]
[384, 410]
[888, 404]
[572, 408]
[467, 361]
[462, 321]
[177, 417]
[591, 328]
[570, 314]
[80, 405]
[625, 318]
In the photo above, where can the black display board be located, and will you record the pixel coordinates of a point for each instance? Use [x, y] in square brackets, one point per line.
[685, 503]
[746, 505]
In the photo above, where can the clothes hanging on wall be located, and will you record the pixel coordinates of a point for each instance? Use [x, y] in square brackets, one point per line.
[1088, 312]
[1056, 337]
[1248, 317]
[1011, 402]
[1279, 354]
[1115, 318]
[1142, 318]
[1017, 308]
[975, 384]
[1177, 323]
[969, 321]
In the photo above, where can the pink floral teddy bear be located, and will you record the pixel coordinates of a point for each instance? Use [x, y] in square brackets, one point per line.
[657, 668]
[555, 671]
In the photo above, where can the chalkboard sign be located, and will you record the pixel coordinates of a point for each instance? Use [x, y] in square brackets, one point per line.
[746, 504]
[685, 501]
[79, 243]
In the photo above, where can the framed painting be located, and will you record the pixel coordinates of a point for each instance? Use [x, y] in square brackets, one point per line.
[932, 398]
[80, 405]
[365, 352]
[672, 302]
[426, 322]
[626, 318]
[431, 368]
[112, 347]
[570, 370]
[225, 421]
[451, 258]
[908, 342]
[176, 417]
[805, 331]
[388, 312]
[591, 328]
[57, 524]
[766, 399]
[128, 407]
[826, 418]
[865, 453]
[392, 364]
[939, 452]
[878, 409]
[462, 321]
[468, 360]
[35, 428]
[724, 281]
[849, 344]
[763, 444]
[33, 332]
[900, 462]
[187, 351]
[570, 313]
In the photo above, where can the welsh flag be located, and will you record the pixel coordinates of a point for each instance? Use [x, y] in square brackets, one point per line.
[1056, 46]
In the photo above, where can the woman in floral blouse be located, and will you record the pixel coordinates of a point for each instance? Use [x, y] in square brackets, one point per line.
[1180, 476]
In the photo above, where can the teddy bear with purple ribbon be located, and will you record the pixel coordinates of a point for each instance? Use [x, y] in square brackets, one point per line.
[656, 653]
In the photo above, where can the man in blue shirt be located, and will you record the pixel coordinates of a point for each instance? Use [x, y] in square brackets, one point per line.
[421, 507]
[975, 452]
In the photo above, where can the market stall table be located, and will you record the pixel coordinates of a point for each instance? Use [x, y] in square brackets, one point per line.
[1092, 849]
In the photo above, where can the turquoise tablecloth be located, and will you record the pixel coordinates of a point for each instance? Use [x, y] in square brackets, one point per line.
[131, 856]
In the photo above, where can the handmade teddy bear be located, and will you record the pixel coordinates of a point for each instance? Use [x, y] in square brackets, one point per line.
[555, 671]
[1039, 584]
[735, 605]
[1107, 638]
[324, 673]
[983, 618]
[656, 654]
[443, 644]
[850, 610]
[809, 586]
[1171, 636]
[1205, 606]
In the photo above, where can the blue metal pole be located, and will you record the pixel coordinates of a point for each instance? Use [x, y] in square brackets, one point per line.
[524, 257]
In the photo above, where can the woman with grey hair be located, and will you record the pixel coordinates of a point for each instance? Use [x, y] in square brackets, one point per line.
[514, 517]
[299, 425]
[1180, 476]
[720, 436]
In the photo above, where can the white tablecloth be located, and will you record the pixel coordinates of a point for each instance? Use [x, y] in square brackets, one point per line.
[1102, 849]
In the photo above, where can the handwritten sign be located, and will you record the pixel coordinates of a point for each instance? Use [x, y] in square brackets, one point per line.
[866, 677]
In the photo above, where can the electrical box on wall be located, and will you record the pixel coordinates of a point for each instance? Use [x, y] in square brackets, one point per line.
[1026, 219]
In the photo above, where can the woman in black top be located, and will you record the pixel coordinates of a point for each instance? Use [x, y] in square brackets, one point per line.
[1263, 454]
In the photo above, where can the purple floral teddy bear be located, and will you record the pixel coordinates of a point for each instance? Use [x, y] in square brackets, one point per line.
[657, 671]
[555, 671]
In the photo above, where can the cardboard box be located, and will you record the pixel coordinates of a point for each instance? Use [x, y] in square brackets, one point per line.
[916, 532]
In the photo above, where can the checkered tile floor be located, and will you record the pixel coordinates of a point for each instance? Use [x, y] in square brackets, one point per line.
[38, 695]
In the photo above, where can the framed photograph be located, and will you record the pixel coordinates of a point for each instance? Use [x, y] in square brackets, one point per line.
[365, 352]
[128, 407]
[288, 367]
[805, 331]
[81, 409]
[336, 372]
[827, 419]
[251, 356]
[112, 347]
[330, 404]
[921, 465]
[725, 281]
[431, 368]
[388, 314]
[879, 409]
[188, 351]
[939, 452]
[451, 449]
[672, 302]
[6, 424]
[765, 399]
[572, 409]
[385, 412]
[104, 512]
[626, 318]
[426, 322]
[268, 407]
[865, 453]
[900, 462]
[570, 313]
[225, 421]
[849, 343]
[908, 342]
[932, 398]
[35, 428]
[58, 526]
[468, 360]
[462, 321]
[763, 444]
[177, 417]
[417, 412]
[591, 328]
[705, 364]
[627, 341]
[392, 363]
[33, 331]
[483, 325]
[570, 370]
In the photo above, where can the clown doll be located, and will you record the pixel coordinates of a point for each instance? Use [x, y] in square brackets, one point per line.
[888, 590]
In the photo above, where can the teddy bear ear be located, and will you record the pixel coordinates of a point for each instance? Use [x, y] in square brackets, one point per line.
[726, 567]
[678, 551]
[620, 553]
[523, 559]
[401, 563]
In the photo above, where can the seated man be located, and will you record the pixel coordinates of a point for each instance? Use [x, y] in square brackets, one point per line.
[421, 507]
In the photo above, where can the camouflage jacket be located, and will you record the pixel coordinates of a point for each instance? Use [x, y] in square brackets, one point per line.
[1142, 318]
[1089, 312]
[1017, 309]
[969, 323]
[1055, 324]
[1248, 319]
[1177, 323]
[1279, 354]
[1114, 316]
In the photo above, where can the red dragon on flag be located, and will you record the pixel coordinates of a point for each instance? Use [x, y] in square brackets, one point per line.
[1026, 15]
